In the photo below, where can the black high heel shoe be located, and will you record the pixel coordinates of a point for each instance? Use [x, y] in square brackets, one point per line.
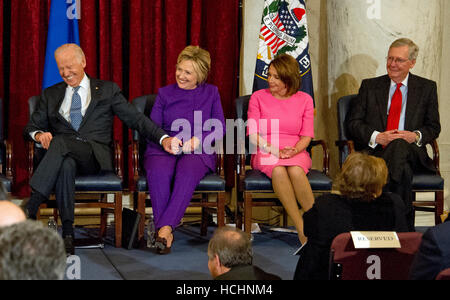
[161, 245]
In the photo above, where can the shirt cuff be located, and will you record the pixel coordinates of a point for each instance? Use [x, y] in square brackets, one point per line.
[373, 138]
[162, 138]
[419, 142]
[33, 134]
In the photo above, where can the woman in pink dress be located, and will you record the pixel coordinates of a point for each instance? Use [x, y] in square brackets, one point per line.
[281, 125]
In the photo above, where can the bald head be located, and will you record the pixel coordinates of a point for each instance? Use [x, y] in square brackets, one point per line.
[10, 214]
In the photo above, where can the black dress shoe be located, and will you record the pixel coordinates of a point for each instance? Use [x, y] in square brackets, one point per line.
[69, 245]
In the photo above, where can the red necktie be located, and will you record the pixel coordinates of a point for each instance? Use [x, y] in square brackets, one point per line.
[395, 109]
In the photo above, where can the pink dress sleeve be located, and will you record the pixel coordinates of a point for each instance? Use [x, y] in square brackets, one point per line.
[253, 115]
[308, 117]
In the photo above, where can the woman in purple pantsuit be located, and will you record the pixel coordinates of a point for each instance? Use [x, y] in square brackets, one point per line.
[189, 110]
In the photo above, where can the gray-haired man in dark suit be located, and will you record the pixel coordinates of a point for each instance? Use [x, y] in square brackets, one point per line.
[74, 122]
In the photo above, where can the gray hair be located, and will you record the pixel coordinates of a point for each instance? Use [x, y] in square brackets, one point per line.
[29, 251]
[232, 246]
[412, 47]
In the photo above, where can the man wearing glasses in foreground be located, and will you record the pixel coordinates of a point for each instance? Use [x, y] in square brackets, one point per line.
[394, 116]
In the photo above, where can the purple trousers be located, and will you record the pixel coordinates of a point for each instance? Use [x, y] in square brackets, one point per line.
[172, 181]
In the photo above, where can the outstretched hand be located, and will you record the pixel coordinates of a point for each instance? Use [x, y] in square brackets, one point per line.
[172, 145]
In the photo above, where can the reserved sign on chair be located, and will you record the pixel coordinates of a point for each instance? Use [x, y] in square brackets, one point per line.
[375, 239]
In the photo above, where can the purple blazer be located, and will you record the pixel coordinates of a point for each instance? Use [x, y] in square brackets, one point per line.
[185, 113]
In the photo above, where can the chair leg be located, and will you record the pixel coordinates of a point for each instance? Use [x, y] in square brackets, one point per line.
[221, 209]
[118, 218]
[247, 212]
[237, 211]
[439, 198]
[285, 218]
[204, 222]
[103, 221]
[141, 196]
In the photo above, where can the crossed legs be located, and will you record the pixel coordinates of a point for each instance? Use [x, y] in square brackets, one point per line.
[291, 185]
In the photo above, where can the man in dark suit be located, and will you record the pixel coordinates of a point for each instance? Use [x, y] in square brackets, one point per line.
[434, 253]
[394, 116]
[74, 122]
[230, 256]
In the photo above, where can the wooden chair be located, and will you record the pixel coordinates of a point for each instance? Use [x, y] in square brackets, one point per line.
[251, 182]
[348, 263]
[422, 182]
[6, 155]
[91, 191]
[213, 183]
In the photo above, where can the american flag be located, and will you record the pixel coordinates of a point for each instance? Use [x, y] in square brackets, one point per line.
[285, 23]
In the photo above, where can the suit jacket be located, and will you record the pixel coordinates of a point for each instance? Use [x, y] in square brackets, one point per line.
[247, 272]
[174, 104]
[97, 124]
[369, 111]
[334, 214]
[434, 253]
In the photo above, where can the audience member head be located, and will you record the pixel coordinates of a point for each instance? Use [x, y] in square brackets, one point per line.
[10, 213]
[362, 177]
[284, 76]
[227, 248]
[29, 251]
[401, 59]
[71, 63]
[193, 66]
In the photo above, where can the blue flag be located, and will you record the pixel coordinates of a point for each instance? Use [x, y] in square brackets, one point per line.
[62, 29]
[284, 30]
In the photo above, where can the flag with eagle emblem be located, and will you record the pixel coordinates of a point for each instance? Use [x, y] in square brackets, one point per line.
[284, 30]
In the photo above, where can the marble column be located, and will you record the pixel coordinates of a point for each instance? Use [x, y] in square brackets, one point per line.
[359, 35]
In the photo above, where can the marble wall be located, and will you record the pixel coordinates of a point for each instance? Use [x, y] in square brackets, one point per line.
[349, 41]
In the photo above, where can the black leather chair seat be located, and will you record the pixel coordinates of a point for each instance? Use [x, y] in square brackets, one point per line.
[255, 180]
[425, 182]
[105, 181]
[6, 182]
[211, 182]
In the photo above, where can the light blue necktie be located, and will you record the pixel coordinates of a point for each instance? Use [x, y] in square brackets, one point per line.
[75, 109]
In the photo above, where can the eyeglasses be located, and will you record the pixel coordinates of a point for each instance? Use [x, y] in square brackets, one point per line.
[397, 60]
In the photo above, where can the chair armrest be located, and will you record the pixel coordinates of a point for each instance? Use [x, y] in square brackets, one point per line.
[349, 143]
[135, 159]
[326, 155]
[30, 152]
[220, 168]
[435, 148]
[9, 159]
[118, 159]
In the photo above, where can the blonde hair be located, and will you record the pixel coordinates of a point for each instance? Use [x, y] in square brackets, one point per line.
[412, 47]
[289, 72]
[201, 60]
[362, 176]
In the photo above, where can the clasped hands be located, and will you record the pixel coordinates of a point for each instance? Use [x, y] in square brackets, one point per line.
[384, 138]
[175, 146]
[285, 153]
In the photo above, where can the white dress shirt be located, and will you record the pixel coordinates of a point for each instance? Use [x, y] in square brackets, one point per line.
[64, 110]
